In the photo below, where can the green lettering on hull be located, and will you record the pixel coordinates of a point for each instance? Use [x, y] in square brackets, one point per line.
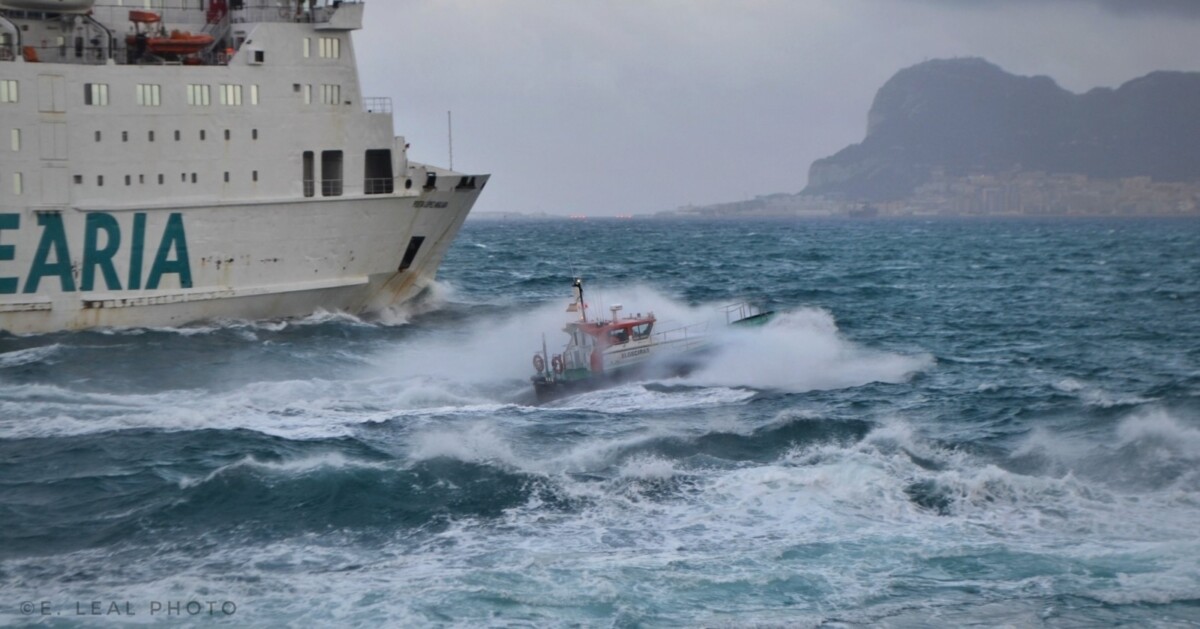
[54, 239]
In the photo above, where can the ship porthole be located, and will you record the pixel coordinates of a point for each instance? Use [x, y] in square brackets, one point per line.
[408, 184]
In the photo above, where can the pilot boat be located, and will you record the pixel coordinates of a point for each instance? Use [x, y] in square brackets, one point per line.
[601, 352]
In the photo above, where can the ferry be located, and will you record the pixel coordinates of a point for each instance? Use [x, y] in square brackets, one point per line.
[184, 160]
[601, 352]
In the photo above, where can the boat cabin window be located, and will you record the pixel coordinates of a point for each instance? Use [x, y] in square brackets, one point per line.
[642, 331]
[309, 175]
[331, 173]
[618, 336]
[95, 94]
[378, 176]
[8, 91]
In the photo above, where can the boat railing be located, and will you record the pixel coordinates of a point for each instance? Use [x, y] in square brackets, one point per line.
[344, 187]
[381, 185]
[686, 336]
[377, 105]
[741, 310]
[116, 12]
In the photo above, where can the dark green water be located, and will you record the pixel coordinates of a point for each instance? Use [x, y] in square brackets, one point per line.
[954, 423]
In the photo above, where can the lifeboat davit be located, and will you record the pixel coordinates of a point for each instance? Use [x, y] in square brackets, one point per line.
[144, 17]
[51, 6]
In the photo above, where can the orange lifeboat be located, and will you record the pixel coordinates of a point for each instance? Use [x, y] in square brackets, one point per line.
[179, 43]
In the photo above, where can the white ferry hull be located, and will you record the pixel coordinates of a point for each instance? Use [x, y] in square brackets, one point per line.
[269, 260]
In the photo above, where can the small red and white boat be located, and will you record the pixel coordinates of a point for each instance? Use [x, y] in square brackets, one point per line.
[601, 352]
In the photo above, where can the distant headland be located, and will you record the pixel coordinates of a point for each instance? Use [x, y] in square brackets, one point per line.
[964, 137]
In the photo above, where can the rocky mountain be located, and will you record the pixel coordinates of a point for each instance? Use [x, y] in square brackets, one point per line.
[968, 116]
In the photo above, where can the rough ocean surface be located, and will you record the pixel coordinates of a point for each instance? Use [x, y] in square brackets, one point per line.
[954, 423]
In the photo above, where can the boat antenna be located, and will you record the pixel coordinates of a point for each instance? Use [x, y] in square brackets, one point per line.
[578, 286]
[450, 136]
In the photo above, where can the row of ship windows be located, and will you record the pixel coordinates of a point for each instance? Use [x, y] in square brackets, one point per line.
[327, 47]
[198, 94]
[19, 180]
[183, 177]
[150, 136]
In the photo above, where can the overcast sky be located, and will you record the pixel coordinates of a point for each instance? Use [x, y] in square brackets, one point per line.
[633, 106]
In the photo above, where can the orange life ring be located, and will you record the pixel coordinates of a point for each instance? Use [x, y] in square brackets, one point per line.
[558, 363]
[539, 363]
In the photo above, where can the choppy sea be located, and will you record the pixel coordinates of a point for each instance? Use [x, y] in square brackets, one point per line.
[951, 423]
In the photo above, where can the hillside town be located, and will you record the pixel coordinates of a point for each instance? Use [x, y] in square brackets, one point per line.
[1016, 193]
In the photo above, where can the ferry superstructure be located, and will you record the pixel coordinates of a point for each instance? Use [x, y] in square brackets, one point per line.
[167, 161]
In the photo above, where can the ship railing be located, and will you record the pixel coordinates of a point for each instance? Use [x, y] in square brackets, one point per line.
[339, 187]
[682, 338]
[116, 12]
[381, 185]
[377, 105]
[85, 55]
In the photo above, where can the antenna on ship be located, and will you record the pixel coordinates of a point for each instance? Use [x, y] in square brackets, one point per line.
[450, 136]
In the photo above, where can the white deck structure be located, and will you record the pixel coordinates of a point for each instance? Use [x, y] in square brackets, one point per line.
[142, 186]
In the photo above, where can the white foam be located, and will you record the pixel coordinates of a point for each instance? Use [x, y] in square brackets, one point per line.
[28, 356]
[801, 351]
[291, 468]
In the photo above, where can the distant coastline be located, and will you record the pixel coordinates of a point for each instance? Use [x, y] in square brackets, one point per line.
[962, 137]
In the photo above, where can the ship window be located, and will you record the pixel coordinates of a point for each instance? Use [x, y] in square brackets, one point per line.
[100, 180]
[254, 95]
[8, 91]
[231, 95]
[160, 179]
[141, 179]
[95, 94]
[254, 175]
[410, 254]
[193, 177]
[183, 177]
[308, 94]
[203, 135]
[177, 135]
[618, 336]
[97, 136]
[227, 176]
[18, 183]
[149, 95]
[329, 48]
[16, 140]
[378, 172]
[150, 135]
[128, 180]
[309, 175]
[306, 46]
[331, 94]
[198, 95]
[227, 134]
[124, 136]
[260, 56]
[642, 331]
[254, 134]
[331, 173]
[78, 179]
